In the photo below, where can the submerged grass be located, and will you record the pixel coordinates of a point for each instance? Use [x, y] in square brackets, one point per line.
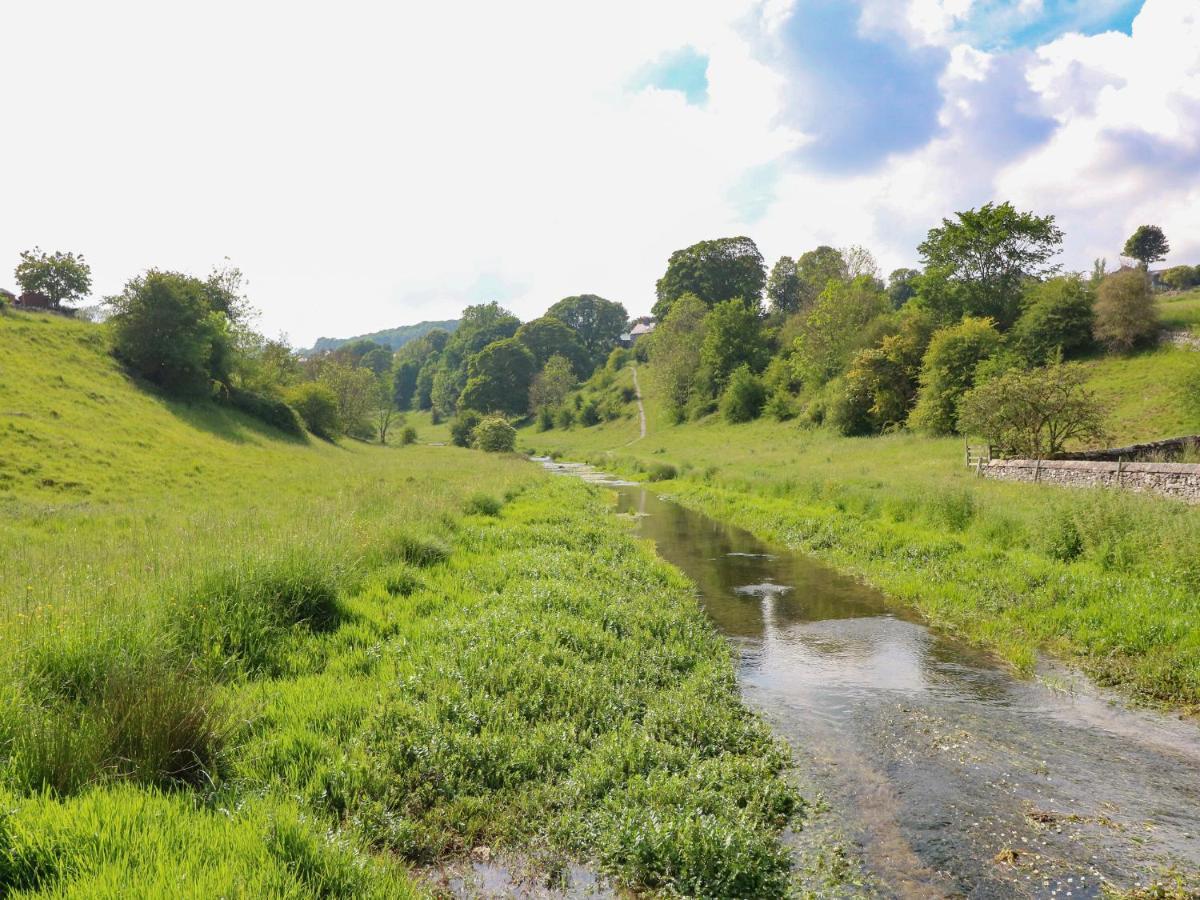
[235, 665]
[1109, 579]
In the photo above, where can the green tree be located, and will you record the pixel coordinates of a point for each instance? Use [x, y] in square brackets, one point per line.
[948, 371]
[164, 329]
[495, 435]
[356, 391]
[548, 336]
[404, 382]
[816, 269]
[881, 383]
[1057, 320]
[743, 397]
[552, 384]
[225, 292]
[1180, 278]
[1125, 313]
[63, 277]
[1034, 414]
[597, 323]
[979, 264]
[714, 271]
[318, 408]
[498, 378]
[833, 328]
[481, 325]
[385, 406]
[732, 338]
[1148, 244]
[902, 286]
[675, 352]
[784, 290]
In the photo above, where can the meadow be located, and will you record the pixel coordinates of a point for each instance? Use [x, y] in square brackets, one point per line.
[1108, 580]
[235, 664]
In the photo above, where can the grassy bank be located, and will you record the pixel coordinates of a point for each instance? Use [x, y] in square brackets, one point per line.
[234, 664]
[1109, 580]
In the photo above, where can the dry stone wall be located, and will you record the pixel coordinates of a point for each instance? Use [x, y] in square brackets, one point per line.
[1178, 480]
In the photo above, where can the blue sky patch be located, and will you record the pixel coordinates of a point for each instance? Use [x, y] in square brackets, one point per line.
[1000, 24]
[754, 192]
[684, 70]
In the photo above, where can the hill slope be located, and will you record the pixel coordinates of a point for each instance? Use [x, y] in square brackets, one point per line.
[389, 337]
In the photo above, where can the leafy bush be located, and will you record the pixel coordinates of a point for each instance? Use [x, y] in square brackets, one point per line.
[317, 406]
[495, 435]
[661, 471]
[1058, 317]
[618, 359]
[1125, 313]
[564, 418]
[744, 396]
[780, 406]
[482, 505]
[275, 413]
[545, 418]
[462, 429]
[408, 435]
[948, 371]
[590, 414]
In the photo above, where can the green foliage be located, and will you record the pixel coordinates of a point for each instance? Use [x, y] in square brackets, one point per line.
[356, 392]
[881, 384]
[1148, 244]
[1125, 314]
[276, 413]
[548, 337]
[462, 429]
[732, 339]
[784, 288]
[1180, 278]
[713, 271]
[480, 325]
[318, 407]
[564, 418]
[618, 359]
[1189, 388]
[494, 434]
[545, 418]
[408, 435]
[482, 504]
[902, 286]
[598, 323]
[404, 382]
[63, 277]
[165, 331]
[499, 378]
[675, 350]
[948, 371]
[1058, 319]
[590, 414]
[1034, 414]
[743, 397]
[816, 269]
[979, 264]
[833, 328]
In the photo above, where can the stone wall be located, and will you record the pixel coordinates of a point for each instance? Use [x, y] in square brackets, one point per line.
[1178, 480]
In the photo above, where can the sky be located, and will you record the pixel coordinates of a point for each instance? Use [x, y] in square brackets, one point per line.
[372, 164]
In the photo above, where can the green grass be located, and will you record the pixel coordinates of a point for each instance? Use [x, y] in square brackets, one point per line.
[232, 664]
[1180, 312]
[1108, 579]
[1142, 394]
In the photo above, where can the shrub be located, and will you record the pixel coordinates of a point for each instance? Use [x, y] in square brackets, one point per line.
[564, 418]
[1058, 317]
[317, 406]
[948, 371]
[590, 414]
[495, 435]
[462, 429]
[661, 471]
[744, 396]
[482, 505]
[545, 418]
[849, 410]
[408, 435]
[1181, 278]
[618, 359]
[1125, 313]
[780, 406]
[275, 413]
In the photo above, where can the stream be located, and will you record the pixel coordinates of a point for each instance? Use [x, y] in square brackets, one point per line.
[940, 774]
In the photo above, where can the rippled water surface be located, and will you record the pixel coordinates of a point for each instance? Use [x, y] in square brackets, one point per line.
[944, 775]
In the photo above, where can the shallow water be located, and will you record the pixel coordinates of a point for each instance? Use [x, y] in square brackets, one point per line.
[944, 775]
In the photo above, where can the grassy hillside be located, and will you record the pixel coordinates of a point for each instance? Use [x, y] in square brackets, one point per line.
[237, 665]
[1109, 579]
[1180, 312]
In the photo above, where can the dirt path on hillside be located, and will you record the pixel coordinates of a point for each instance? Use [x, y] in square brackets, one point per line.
[641, 409]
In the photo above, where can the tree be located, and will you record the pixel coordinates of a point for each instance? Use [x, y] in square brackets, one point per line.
[495, 435]
[481, 325]
[1148, 244]
[63, 277]
[784, 291]
[881, 383]
[385, 407]
[404, 382]
[1125, 313]
[675, 352]
[744, 396]
[498, 378]
[979, 264]
[598, 323]
[902, 286]
[547, 337]
[225, 293]
[164, 329]
[832, 329]
[1058, 319]
[714, 271]
[355, 391]
[816, 269]
[948, 372]
[732, 338]
[552, 384]
[1180, 278]
[859, 261]
[318, 408]
[1034, 414]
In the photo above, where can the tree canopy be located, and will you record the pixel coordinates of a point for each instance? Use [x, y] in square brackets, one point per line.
[547, 337]
[713, 271]
[498, 378]
[63, 277]
[784, 290]
[1148, 244]
[978, 264]
[598, 323]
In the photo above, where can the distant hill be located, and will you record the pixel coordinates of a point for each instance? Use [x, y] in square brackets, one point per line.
[390, 337]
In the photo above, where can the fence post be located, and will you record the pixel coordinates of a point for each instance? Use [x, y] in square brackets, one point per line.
[1037, 471]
